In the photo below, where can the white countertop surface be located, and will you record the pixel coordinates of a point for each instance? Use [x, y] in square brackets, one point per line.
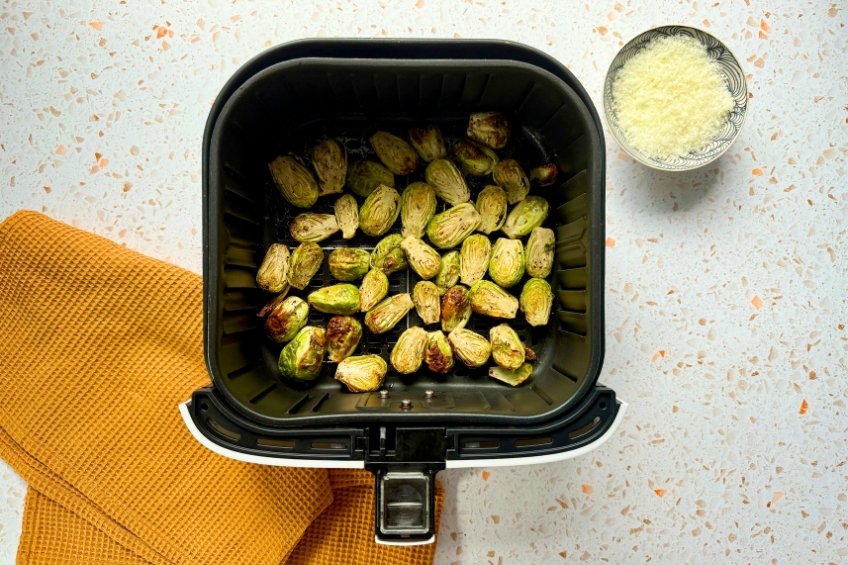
[726, 287]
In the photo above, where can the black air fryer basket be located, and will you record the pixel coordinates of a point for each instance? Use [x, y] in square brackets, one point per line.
[286, 100]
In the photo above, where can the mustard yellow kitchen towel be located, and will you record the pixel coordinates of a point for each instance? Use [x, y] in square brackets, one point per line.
[98, 346]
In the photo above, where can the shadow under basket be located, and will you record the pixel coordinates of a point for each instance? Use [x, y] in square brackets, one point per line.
[285, 101]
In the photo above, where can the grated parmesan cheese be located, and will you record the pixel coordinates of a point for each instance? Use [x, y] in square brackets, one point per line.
[671, 99]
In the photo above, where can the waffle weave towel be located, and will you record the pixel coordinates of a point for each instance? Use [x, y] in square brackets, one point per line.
[98, 346]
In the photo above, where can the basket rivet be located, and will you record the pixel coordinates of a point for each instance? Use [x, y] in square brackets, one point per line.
[406, 404]
[384, 393]
[429, 394]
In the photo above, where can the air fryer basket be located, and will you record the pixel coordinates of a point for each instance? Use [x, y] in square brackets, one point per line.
[284, 101]
[291, 105]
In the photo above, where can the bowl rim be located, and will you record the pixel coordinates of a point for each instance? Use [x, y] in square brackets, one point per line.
[625, 147]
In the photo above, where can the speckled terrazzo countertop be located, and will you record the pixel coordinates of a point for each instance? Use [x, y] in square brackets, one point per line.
[726, 286]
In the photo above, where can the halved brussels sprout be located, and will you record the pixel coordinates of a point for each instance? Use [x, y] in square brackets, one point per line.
[491, 204]
[395, 153]
[362, 373]
[527, 215]
[347, 215]
[363, 177]
[313, 227]
[448, 274]
[506, 267]
[294, 181]
[340, 299]
[545, 174]
[427, 142]
[343, 335]
[408, 353]
[385, 315]
[489, 128]
[374, 287]
[272, 275]
[447, 181]
[388, 256]
[513, 378]
[305, 261]
[474, 158]
[470, 347]
[509, 175]
[507, 349]
[379, 211]
[284, 321]
[417, 207]
[540, 252]
[452, 226]
[349, 263]
[438, 354]
[474, 258]
[301, 359]
[536, 301]
[425, 296]
[423, 259]
[456, 308]
[489, 299]
[329, 159]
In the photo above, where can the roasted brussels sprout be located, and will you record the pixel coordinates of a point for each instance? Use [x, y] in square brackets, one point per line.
[349, 263]
[385, 315]
[427, 142]
[545, 174]
[448, 274]
[347, 215]
[528, 214]
[506, 267]
[388, 256]
[313, 227]
[273, 303]
[395, 153]
[438, 355]
[425, 296]
[507, 349]
[340, 299]
[301, 359]
[329, 159]
[363, 177]
[540, 252]
[343, 335]
[374, 287]
[513, 378]
[286, 319]
[536, 301]
[492, 129]
[470, 347]
[447, 181]
[362, 373]
[305, 261]
[491, 205]
[456, 308]
[272, 275]
[379, 211]
[509, 175]
[294, 181]
[489, 299]
[423, 259]
[474, 158]
[452, 226]
[417, 207]
[474, 258]
[408, 353]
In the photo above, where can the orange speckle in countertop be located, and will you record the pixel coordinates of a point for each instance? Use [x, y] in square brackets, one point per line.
[127, 186]
[587, 489]
[496, 519]
[602, 30]
[757, 302]
[563, 554]
[61, 150]
[759, 63]
[660, 492]
[48, 190]
[774, 498]
[658, 355]
[486, 475]
[610, 242]
[96, 25]
[757, 172]
[419, 4]
[804, 407]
